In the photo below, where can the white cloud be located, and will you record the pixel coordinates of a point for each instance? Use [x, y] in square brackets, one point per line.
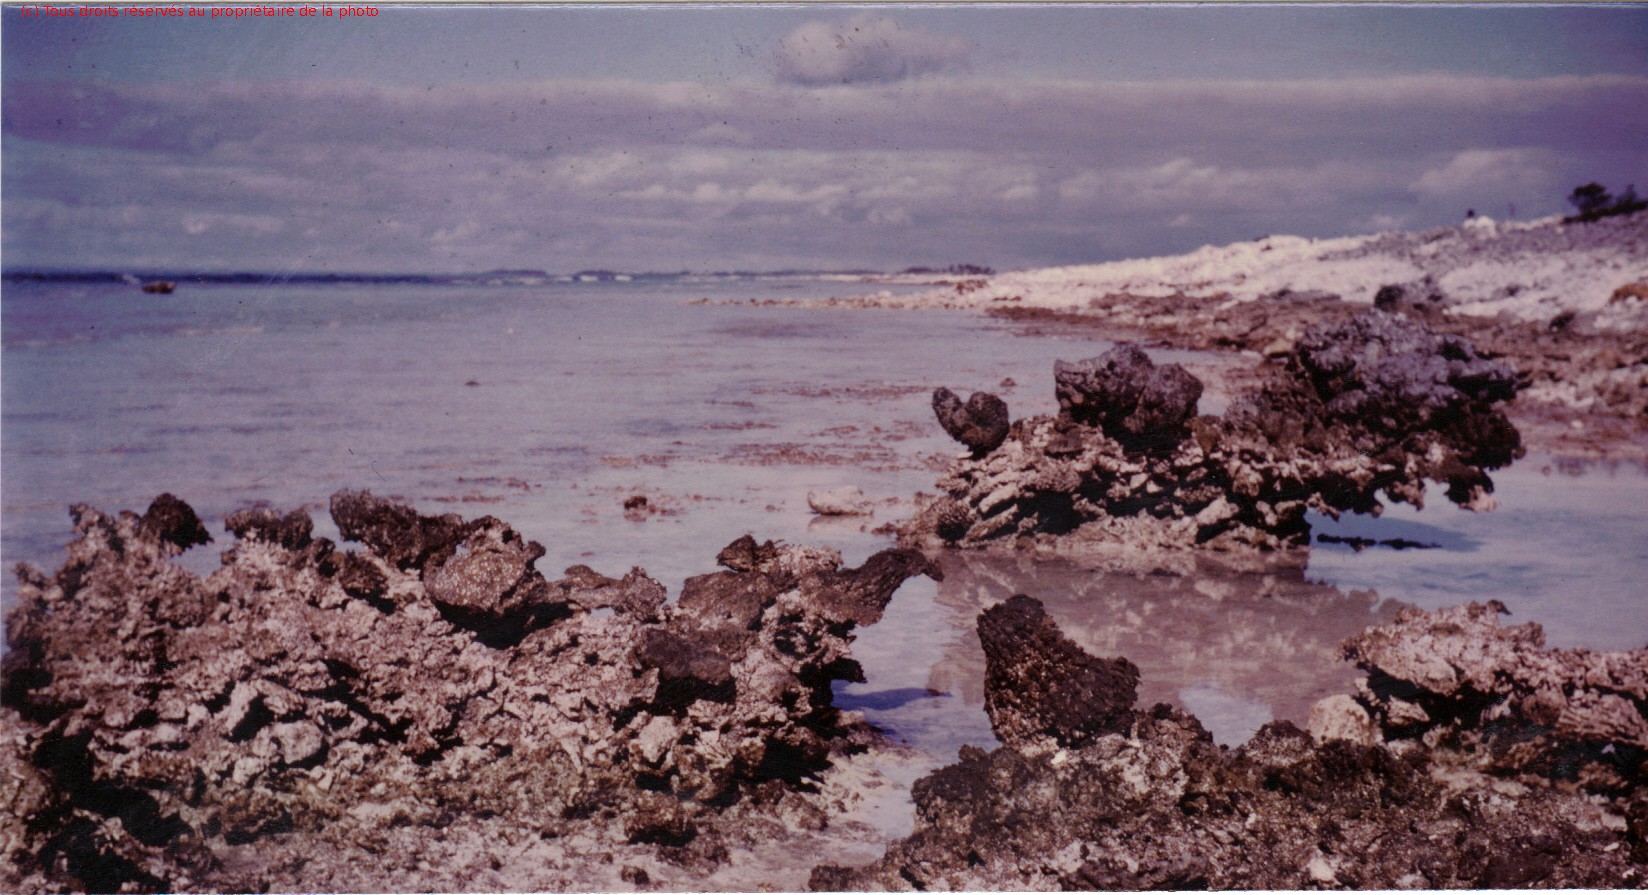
[1488, 171]
[566, 175]
[721, 134]
[199, 223]
[867, 48]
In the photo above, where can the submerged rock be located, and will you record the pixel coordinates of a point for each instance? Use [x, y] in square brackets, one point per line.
[981, 424]
[1361, 411]
[1147, 801]
[304, 715]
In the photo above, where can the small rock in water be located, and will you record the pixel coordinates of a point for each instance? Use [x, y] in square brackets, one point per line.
[1039, 683]
[981, 423]
[847, 500]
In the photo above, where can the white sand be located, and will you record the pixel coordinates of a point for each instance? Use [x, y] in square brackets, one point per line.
[1529, 270]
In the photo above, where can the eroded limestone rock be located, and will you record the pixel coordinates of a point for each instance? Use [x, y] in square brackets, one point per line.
[1125, 393]
[1038, 683]
[846, 500]
[1146, 800]
[1458, 677]
[1362, 411]
[295, 719]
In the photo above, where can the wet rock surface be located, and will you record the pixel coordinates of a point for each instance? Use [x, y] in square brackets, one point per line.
[1362, 411]
[1038, 683]
[1149, 802]
[426, 713]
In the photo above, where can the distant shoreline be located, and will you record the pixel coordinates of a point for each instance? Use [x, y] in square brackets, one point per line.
[483, 278]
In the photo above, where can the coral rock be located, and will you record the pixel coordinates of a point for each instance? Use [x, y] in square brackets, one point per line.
[981, 424]
[1154, 804]
[174, 522]
[301, 713]
[847, 500]
[1039, 683]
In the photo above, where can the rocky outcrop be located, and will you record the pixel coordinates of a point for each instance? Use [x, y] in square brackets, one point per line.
[306, 715]
[980, 424]
[1037, 683]
[1361, 411]
[1125, 394]
[1145, 800]
[1460, 679]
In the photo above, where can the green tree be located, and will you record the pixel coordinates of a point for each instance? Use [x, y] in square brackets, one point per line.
[1590, 198]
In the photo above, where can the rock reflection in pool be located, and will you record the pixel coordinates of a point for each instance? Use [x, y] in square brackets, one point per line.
[1235, 646]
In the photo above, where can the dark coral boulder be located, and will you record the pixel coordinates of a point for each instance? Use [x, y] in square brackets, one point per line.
[174, 522]
[1129, 396]
[398, 533]
[1396, 375]
[1039, 683]
[981, 424]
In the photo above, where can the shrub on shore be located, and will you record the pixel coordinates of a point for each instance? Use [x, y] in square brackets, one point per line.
[1594, 202]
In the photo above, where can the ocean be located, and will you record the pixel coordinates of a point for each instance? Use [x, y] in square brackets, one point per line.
[551, 405]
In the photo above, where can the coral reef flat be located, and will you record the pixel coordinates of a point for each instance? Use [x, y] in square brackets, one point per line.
[1137, 596]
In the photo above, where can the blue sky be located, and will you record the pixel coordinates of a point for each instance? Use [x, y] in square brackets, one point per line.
[818, 136]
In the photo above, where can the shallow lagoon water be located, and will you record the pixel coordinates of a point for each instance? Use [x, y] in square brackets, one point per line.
[550, 406]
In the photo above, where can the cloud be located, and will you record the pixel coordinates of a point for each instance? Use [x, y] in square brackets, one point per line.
[867, 48]
[573, 174]
[1490, 171]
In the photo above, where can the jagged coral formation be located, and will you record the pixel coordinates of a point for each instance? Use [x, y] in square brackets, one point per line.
[1367, 409]
[304, 700]
[1121, 799]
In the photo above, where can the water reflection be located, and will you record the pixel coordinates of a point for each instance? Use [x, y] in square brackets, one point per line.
[1567, 548]
[1238, 647]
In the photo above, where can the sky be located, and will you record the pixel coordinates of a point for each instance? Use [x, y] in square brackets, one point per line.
[564, 138]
